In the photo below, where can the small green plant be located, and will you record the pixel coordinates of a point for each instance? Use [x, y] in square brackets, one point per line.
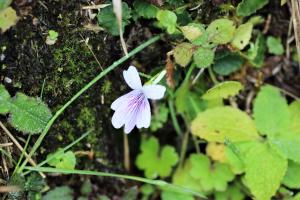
[62, 160]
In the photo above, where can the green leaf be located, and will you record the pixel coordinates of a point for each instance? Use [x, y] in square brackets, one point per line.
[242, 36]
[4, 100]
[221, 31]
[4, 4]
[214, 176]
[224, 123]
[159, 117]
[294, 109]
[28, 114]
[154, 163]
[204, 57]
[232, 193]
[233, 159]
[256, 52]
[183, 53]
[248, 7]
[192, 31]
[108, 20]
[8, 18]
[270, 112]
[227, 63]
[167, 19]
[223, 90]
[170, 195]
[292, 176]
[62, 160]
[274, 45]
[61, 193]
[53, 35]
[264, 170]
[145, 9]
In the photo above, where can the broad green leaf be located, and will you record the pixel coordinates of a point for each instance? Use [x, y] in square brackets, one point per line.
[28, 114]
[297, 196]
[61, 193]
[264, 170]
[170, 195]
[292, 176]
[226, 63]
[181, 95]
[204, 57]
[256, 52]
[275, 46]
[232, 193]
[8, 18]
[294, 109]
[233, 159]
[242, 36]
[4, 4]
[145, 9]
[167, 19]
[155, 161]
[221, 31]
[62, 160]
[192, 31]
[224, 123]
[223, 90]
[248, 7]
[214, 176]
[4, 100]
[183, 53]
[108, 20]
[270, 112]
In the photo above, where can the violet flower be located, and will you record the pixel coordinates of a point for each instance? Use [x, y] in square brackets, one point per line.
[133, 108]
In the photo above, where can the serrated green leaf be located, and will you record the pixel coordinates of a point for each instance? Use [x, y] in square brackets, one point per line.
[256, 52]
[4, 100]
[53, 35]
[183, 53]
[232, 193]
[107, 19]
[223, 90]
[264, 170]
[8, 18]
[167, 19]
[292, 176]
[204, 57]
[212, 177]
[248, 7]
[28, 114]
[62, 160]
[62, 193]
[4, 4]
[221, 31]
[224, 123]
[159, 118]
[242, 36]
[226, 63]
[270, 112]
[154, 163]
[170, 195]
[145, 9]
[275, 46]
[192, 31]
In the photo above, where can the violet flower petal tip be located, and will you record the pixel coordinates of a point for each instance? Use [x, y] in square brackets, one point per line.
[132, 78]
[154, 92]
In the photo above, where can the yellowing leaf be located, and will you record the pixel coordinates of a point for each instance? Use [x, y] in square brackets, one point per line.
[264, 170]
[223, 90]
[8, 18]
[216, 151]
[183, 53]
[221, 31]
[224, 123]
[242, 35]
[192, 31]
[271, 113]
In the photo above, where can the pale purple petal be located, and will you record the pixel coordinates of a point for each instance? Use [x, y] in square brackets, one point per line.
[123, 100]
[118, 119]
[132, 78]
[144, 115]
[154, 91]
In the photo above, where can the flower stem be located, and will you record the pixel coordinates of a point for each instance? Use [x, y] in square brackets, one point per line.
[126, 153]
[80, 92]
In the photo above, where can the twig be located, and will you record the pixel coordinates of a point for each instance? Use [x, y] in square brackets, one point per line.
[6, 144]
[19, 146]
[95, 7]
[126, 153]
[5, 189]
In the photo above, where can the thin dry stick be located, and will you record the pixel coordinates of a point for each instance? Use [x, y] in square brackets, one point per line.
[126, 153]
[6, 144]
[13, 139]
[296, 23]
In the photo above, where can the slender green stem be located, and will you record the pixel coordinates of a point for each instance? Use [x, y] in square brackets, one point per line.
[184, 147]
[80, 92]
[212, 75]
[159, 183]
[22, 154]
[173, 117]
[42, 90]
